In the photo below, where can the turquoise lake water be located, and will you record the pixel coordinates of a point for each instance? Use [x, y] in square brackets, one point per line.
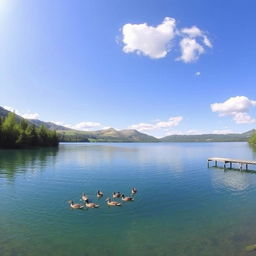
[182, 208]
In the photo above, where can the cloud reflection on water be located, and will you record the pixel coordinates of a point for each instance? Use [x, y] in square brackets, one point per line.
[232, 180]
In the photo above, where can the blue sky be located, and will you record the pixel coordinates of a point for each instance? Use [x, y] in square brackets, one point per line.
[93, 64]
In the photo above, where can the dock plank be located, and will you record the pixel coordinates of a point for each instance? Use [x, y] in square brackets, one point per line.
[230, 160]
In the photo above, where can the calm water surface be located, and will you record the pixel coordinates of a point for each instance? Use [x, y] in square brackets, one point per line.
[182, 207]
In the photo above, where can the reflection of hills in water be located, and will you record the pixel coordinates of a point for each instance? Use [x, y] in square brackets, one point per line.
[17, 161]
[140, 154]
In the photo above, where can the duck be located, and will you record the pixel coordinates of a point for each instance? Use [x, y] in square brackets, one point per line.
[84, 197]
[116, 194]
[75, 206]
[112, 203]
[134, 191]
[99, 194]
[127, 198]
[91, 205]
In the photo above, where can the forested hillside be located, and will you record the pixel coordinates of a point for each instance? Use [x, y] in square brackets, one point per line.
[15, 133]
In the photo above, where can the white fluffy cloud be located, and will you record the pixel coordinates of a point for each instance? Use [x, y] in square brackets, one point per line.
[197, 132]
[157, 41]
[190, 50]
[224, 131]
[10, 109]
[31, 115]
[148, 40]
[192, 45]
[62, 124]
[82, 126]
[28, 115]
[243, 118]
[171, 122]
[198, 73]
[106, 127]
[194, 32]
[142, 127]
[237, 107]
[188, 132]
[207, 42]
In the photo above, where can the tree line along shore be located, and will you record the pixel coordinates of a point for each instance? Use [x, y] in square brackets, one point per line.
[21, 134]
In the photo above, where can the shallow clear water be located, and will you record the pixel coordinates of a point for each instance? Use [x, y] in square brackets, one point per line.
[182, 207]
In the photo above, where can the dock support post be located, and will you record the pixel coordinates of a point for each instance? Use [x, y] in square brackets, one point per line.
[241, 166]
[246, 167]
[224, 165]
[208, 164]
[215, 163]
[230, 165]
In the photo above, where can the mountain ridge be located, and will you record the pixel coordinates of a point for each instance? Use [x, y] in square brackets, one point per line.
[129, 135]
[230, 137]
[107, 135]
[72, 135]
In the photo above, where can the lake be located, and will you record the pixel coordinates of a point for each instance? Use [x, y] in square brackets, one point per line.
[182, 207]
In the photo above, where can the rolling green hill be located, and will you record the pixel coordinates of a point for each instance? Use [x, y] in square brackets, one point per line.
[107, 135]
[209, 137]
[70, 135]
[128, 135]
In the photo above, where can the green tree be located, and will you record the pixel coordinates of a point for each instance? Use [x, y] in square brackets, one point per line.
[10, 131]
[1, 132]
[43, 136]
[252, 139]
[32, 136]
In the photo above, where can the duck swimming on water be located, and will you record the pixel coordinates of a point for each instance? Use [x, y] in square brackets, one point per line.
[91, 205]
[75, 206]
[84, 197]
[134, 191]
[112, 203]
[116, 194]
[127, 198]
[99, 194]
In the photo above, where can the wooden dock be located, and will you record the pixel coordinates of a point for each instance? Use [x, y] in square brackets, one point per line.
[230, 162]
